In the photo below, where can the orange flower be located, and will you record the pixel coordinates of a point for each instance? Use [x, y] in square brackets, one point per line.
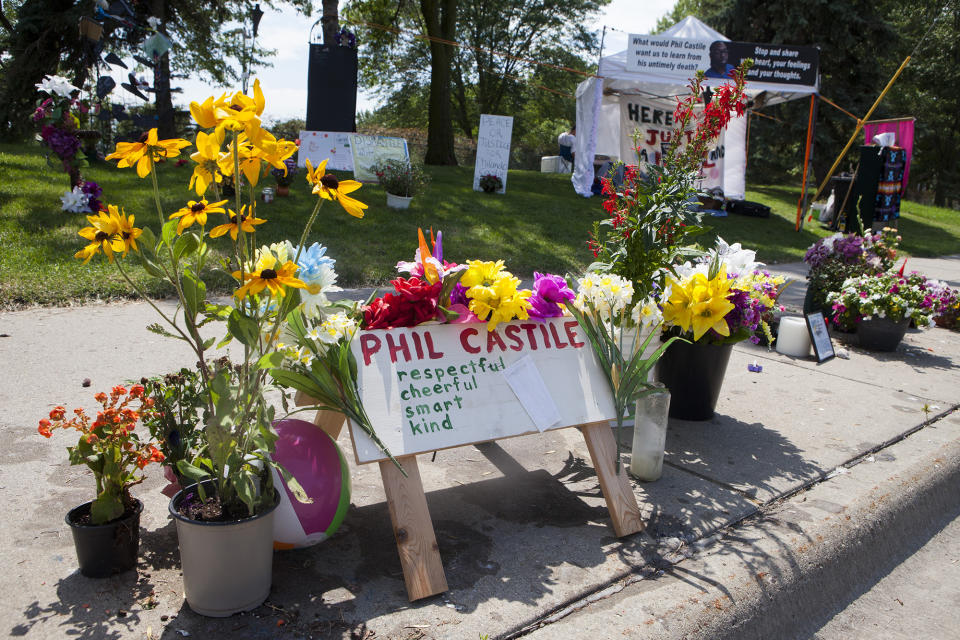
[44, 428]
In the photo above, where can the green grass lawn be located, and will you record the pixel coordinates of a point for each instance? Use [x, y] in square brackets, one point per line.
[540, 224]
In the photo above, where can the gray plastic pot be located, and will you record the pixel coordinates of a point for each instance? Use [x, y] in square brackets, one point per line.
[227, 566]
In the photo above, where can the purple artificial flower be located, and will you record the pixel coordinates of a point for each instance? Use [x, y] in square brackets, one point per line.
[549, 292]
[62, 143]
[459, 295]
[93, 190]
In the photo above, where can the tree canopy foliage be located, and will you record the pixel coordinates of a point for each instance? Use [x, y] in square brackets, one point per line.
[491, 70]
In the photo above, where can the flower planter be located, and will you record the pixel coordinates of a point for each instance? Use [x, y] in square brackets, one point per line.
[881, 334]
[104, 550]
[693, 372]
[227, 566]
[398, 202]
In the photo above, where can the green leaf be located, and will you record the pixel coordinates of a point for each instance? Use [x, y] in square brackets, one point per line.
[243, 328]
[190, 471]
[295, 487]
[158, 329]
[270, 360]
[185, 245]
[169, 231]
[194, 293]
[105, 508]
[149, 265]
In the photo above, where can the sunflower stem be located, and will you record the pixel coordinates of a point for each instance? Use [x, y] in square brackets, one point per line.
[306, 229]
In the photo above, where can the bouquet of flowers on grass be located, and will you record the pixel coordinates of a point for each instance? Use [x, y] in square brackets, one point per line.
[237, 437]
[110, 447]
[724, 298]
[835, 258]
[59, 125]
[884, 295]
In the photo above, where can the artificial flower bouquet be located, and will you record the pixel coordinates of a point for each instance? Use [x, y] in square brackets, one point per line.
[285, 176]
[884, 295]
[654, 213]
[490, 183]
[724, 298]
[237, 437]
[56, 116]
[110, 447]
[840, 256]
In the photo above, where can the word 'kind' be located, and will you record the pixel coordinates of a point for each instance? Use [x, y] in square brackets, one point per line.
[419, 345]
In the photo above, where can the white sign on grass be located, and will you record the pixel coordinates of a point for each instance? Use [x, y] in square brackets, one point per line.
[439, 386]
[332, 146]
[493, 149]
[369, 150]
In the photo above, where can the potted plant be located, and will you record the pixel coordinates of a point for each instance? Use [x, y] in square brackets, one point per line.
[224, 521]
[491, 183]
[840, 256]
[881, 307]
[714, 304]
[106, 531]
[402, 180]
[285, 176]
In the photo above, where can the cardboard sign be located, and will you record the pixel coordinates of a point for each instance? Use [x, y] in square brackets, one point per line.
[682, 57]
[326, 145]
[369, 150]
[493, 149]
[447, 385]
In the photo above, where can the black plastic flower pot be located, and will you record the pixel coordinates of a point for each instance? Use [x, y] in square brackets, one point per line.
[693, 372]
[881, 334]
[107, 549]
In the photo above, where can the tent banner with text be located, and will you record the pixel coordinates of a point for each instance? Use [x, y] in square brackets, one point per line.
[682, 58]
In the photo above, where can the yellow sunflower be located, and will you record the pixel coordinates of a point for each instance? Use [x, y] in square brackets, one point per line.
[267, 277]
[146, 151]
[196, 212]
[237, 223]
[329, 187]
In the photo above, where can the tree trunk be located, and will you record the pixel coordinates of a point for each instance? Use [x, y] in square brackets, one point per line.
[441, 20]
[330, 21]
[166, 127]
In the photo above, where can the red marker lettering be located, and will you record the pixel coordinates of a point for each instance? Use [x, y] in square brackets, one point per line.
[400, 346]
[512, 332]
[432, 353]
[369, 345]
[532, 339]
[494, 337]
[556, 336]
[464, 336]
[571, 329]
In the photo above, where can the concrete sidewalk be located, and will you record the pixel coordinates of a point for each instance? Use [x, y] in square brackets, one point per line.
[752, 506]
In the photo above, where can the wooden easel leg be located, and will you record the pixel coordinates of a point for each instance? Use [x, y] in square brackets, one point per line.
[621, 502]
[413, 529]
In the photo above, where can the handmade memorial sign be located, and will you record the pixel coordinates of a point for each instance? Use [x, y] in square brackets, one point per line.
[369, 150]
[493, 149]
[439, 386]
[332, 146]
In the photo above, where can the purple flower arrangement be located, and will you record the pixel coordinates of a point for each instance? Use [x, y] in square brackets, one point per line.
[549, 292]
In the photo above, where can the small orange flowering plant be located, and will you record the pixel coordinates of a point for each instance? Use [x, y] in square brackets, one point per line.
[238, 436]
[109, 446]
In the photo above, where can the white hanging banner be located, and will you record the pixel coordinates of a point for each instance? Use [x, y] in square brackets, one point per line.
[493, 149]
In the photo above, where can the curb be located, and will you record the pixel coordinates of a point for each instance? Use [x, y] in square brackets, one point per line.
[788, 569]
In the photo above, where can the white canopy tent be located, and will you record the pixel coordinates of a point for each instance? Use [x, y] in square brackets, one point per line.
[599, 128]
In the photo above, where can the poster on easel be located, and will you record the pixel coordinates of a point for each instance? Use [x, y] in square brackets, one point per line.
[493, 149]
[332, 146]
[370, 150]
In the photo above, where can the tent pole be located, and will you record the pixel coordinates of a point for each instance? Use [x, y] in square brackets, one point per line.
[603, 36]
[860, 122]
[746, 144]
[801, 203]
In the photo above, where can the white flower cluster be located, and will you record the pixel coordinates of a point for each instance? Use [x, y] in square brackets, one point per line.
[76, 201]
[56, 86]
[607, 294]
[647, 313]
[736, 259]
[336, 327]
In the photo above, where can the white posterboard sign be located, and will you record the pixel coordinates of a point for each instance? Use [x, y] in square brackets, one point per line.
[439, 386]
[369, 150]
[493, 149]
[332, 146]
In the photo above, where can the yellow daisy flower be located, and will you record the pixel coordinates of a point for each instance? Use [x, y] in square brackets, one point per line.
[101, 233]
[269, 278]
[329, 187]
[208, 153]
[196, 212]
[146, 152]
[237, 223]
[127, 234]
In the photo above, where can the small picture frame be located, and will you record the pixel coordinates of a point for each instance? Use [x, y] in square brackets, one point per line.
[819, 336]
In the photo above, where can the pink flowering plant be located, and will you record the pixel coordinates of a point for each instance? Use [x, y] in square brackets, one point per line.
[883, 295]
[840, 256]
